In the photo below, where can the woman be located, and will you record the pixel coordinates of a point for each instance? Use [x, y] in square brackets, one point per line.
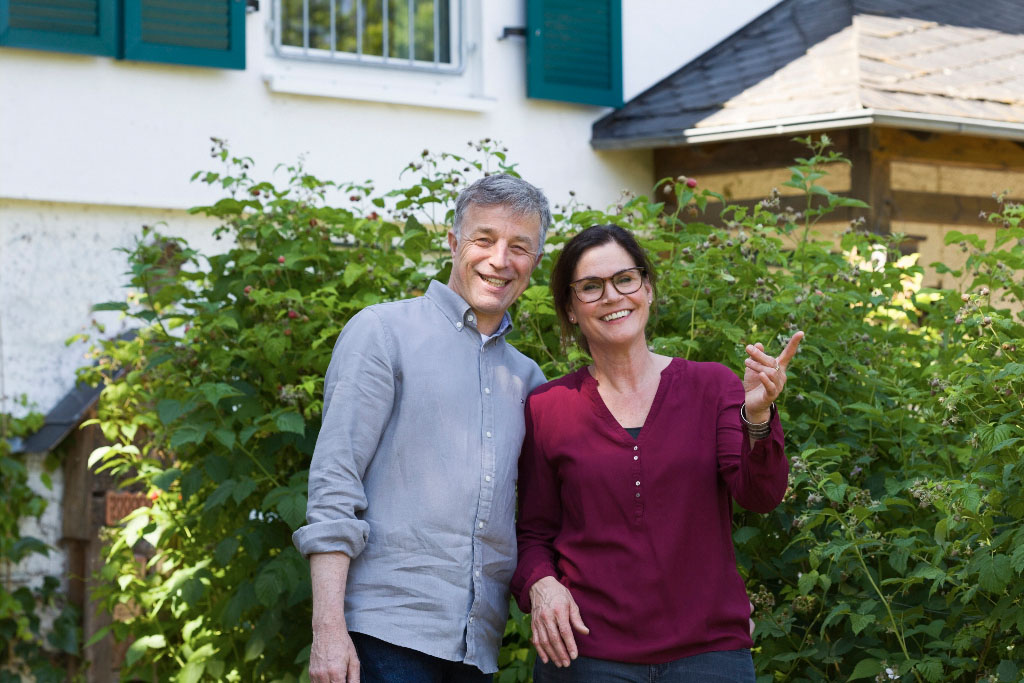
[626, 481]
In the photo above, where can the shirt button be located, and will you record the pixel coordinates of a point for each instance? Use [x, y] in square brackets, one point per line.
[476, 573]
[636, 457]
[638, 483]
[487, 477]
[488, 435]
[638, 494]
[487, 390]
[470, 317]
[480, 525]
[471, 620]
[636, 448]
[458, 326]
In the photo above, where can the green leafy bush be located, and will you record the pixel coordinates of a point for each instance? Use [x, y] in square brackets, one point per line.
[29, 646]
[895, 553]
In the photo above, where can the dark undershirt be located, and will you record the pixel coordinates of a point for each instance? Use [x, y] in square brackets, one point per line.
[633, 431]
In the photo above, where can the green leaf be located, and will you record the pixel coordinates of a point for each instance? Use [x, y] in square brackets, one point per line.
[137, 649]
[744, 534]
[1007, 670]
[1017, 559]
[353, 272]
[994, 572]
[215, 391]
[191, 672]
[225, 550]
[189, 433]
[111, 306]
[243, 489]
[866, 668]
[291, 422]
[169, 410]
[269, 587]
[292, 508]
[931, 669]
[807, 582]
[220, 496]
[254, 648]
[224, 436]
[860, 621]
[164, 480]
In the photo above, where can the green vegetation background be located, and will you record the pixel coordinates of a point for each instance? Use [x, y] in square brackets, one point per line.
[897, 552]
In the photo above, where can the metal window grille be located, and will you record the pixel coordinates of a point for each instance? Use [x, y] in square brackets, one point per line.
[422, 35]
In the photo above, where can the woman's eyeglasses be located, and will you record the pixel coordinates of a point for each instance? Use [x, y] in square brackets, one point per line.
[590, 289]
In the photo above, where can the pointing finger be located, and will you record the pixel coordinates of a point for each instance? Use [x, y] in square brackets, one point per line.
[790, 350]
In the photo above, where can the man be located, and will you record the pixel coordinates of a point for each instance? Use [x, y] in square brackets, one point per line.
[410, 532]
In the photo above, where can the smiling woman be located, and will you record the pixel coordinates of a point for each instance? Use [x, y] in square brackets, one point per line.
[627, 476]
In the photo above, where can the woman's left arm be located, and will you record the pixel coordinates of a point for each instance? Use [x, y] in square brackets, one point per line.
[752, 459]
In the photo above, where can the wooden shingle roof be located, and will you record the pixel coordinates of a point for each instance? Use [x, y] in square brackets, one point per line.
[828, 63]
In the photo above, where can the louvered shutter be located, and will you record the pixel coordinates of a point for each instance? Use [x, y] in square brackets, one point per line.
[83, 26]
[199, 32]
[574, 51]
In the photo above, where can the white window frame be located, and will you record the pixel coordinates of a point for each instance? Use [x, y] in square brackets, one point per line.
[457, 42]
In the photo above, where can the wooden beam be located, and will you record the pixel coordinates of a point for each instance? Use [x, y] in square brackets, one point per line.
[941, 209]
[963, 150]
[912, 207]
[738, 155]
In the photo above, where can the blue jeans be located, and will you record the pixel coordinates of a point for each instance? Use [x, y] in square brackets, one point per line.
[382, 662]
[733, 666]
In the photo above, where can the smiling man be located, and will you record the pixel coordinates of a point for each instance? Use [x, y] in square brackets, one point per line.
[410, 523]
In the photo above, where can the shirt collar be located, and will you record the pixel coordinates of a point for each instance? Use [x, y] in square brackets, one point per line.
[455, 308]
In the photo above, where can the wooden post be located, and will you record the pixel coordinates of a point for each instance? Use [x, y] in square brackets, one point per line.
[870, 180]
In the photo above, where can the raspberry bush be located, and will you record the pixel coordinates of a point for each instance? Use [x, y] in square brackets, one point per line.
[896, 553]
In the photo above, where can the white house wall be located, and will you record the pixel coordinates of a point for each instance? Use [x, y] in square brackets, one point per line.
[92, 148]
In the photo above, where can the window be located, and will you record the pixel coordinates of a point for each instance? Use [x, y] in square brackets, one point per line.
[198, 32]
[405, 34]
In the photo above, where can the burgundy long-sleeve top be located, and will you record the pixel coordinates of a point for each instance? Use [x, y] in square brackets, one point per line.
[640, 531]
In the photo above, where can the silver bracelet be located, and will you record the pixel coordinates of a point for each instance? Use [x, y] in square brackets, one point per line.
[757, 430]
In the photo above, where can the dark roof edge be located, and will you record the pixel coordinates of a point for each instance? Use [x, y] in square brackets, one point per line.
[702, 56]
[808, 124]
[65, 416]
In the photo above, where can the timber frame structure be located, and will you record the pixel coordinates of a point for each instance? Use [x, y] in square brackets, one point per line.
[924, 97]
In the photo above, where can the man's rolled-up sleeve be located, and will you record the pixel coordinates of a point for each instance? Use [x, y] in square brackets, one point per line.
[359, 391]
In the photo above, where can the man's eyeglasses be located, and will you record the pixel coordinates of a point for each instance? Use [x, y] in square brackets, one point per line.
[590, 289]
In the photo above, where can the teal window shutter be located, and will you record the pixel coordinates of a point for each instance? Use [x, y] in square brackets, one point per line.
[199, 32]
[574, 51]
[84, 26]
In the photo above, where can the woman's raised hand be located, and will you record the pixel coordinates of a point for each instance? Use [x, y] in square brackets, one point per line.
[765, 376]
[553, 616]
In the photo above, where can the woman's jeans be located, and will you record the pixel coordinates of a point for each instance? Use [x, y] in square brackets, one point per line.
[733, 666]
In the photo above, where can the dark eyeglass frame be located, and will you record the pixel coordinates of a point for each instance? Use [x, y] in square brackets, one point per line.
[640, 270]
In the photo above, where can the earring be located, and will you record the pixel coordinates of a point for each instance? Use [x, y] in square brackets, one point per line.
[572, 319]
[650, 301]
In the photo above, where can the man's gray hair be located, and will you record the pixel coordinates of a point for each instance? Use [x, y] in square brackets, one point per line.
[514, 194]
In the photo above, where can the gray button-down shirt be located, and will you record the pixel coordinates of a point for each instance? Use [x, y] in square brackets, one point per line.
[414, 474]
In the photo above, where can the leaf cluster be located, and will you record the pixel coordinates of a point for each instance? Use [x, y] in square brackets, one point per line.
[896, 551]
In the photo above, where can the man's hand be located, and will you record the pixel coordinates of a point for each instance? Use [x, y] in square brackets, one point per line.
[553, 617]
[333, 658]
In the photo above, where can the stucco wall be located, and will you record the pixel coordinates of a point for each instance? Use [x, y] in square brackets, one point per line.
[47, 528]
[56, 261]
